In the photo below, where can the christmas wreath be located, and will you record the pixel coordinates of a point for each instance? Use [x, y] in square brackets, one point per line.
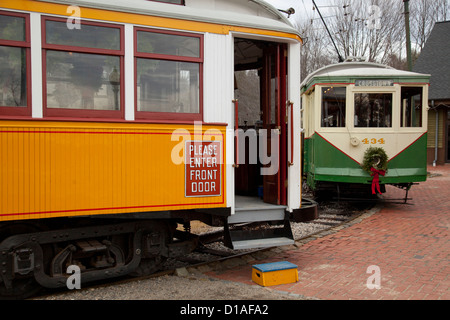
[375, 158]
[375, 163]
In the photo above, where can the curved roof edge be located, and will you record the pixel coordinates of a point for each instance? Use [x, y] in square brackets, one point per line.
[347, 68]
[281, 24]
[269, 7]
[342, 65]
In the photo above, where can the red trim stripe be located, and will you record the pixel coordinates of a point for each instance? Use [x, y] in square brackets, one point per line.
[357, 161]
[112, 132]
[112, 208]
[407, 146]
[336, 147]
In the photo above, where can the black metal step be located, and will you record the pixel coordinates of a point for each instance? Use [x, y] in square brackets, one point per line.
[242, 230]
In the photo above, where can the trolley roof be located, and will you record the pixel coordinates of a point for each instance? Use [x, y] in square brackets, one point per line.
[347, 72]
[252, 13]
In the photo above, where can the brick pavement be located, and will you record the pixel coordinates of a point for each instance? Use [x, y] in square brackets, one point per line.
[408, 243]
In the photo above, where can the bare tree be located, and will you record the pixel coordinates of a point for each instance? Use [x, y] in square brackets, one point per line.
[368, 29]
[316, 52]
[373, 30]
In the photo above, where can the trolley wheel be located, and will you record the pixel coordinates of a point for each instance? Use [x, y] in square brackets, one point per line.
[23, 286]
[157, 236]
[22, 289]
[148, 266]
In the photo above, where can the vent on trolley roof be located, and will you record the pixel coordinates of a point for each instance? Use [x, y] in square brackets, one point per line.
[181, 2]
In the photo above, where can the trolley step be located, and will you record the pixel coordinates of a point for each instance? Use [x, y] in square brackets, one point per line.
[256, 224]
[262, 243]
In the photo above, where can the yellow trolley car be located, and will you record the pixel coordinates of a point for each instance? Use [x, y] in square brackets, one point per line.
[120, 119]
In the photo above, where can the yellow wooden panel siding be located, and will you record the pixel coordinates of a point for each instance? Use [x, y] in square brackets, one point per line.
[154, 21]
[80, 169]
[431, 136]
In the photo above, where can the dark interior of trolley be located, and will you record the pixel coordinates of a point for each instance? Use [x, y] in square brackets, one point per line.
[260, 89]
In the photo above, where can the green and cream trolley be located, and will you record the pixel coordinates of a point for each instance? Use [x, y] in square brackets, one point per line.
[359, 114]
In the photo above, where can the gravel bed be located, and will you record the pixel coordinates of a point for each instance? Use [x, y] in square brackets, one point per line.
[189, 283]
[192, 284]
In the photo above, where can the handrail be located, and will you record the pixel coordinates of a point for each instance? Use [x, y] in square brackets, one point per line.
[291, 106]
[236, 133]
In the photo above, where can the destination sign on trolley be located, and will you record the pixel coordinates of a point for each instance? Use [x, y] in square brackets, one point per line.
[374, 83]
[202, 168]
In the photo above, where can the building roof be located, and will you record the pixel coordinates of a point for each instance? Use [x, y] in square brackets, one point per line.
[434, 60]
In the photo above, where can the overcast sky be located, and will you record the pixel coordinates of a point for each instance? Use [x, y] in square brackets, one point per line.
[303, 8]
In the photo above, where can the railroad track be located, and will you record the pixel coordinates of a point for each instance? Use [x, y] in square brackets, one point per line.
[212, 251]
[331, 215]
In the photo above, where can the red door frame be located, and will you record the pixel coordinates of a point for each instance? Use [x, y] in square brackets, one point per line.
[278, 52]
[282, 119]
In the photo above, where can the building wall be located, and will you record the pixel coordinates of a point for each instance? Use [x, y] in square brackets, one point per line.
[442, 133]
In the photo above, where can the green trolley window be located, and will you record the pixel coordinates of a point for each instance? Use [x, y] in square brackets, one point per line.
[411, 107]
[373, 110]
[333, 107]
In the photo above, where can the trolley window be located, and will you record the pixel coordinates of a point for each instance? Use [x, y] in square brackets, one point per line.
[14, 64]
[373, 110]
[411, 107]
[83, 69]
[333, 106]
[168, 75]
[168, 44]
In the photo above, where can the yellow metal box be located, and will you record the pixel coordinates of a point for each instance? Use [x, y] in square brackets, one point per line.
[274, 273]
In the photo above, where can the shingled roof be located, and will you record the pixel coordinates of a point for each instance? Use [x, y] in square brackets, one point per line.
[435, 60]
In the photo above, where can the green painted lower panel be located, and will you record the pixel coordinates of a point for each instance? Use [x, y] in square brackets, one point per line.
[324, 162]
[368, 179]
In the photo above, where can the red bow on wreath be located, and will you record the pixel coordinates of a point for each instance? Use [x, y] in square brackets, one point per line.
[376, 179]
